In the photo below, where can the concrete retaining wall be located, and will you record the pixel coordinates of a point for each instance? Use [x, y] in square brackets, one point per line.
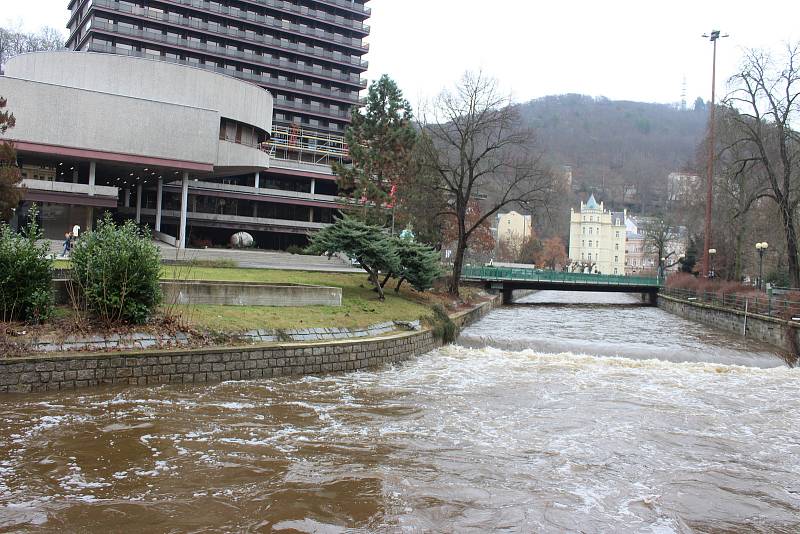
[55, 372]
[233, 293]
[767, 329]
[248, 294]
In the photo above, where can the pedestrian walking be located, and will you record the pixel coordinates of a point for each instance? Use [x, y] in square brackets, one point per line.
[67, 244]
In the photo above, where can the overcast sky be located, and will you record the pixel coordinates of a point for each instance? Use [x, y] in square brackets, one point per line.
[622, 49]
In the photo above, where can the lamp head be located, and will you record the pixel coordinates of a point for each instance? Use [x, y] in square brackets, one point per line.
[758, 246]
[712, 251]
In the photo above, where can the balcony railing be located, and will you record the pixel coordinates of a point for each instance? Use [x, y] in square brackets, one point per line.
[348, 4]
[116, 29]
[255, 78]
[316, 33]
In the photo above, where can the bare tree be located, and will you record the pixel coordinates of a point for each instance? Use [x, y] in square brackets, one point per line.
[767, 97]
[13, 41]
[473, 145]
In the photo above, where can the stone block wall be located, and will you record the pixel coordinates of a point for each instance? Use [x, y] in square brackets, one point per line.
[767, 329]
[53, 373]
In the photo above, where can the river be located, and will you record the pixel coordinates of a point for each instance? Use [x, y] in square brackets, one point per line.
[571, 412]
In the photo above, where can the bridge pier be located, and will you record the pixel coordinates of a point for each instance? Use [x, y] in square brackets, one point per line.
[651, 297]
[508, 295]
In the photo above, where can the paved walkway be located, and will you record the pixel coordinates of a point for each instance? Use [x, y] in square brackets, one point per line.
[257, 259]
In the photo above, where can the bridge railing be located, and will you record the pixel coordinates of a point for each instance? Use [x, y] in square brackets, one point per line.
[491, 273]
[784, 306]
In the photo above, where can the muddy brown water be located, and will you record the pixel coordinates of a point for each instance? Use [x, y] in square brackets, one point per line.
[597, 417]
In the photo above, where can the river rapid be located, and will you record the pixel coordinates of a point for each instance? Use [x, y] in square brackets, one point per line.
[569, 413]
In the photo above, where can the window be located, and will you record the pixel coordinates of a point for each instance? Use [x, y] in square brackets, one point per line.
[584, 230]
[590, 231]
[616, 246]
[617, 234]
[590, 243]
[615, 270]
[583, 243]
[590, 256]
[616, 259]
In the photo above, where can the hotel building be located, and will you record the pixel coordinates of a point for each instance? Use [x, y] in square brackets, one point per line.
[597, 238]
[308, 54]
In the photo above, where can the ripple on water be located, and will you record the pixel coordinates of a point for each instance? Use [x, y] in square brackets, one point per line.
[462, 439]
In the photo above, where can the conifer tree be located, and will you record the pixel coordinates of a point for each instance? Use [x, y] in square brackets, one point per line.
[366, 243]
[381, 141]
[10, 177]
[419, 264]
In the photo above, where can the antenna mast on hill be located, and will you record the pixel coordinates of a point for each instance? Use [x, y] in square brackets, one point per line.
[683, 94]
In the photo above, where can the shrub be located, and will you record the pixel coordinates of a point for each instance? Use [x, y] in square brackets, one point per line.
[297, 249]
[25, 274]
[442, 325]
[116, 270]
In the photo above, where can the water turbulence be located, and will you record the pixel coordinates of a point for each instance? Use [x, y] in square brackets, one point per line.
[543, 418]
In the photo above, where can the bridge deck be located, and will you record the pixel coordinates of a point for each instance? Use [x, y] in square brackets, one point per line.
[536, 278]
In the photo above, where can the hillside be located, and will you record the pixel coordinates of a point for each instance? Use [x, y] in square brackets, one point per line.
[623, 151]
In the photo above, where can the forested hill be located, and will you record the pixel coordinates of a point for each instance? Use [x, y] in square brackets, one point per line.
[621, 150]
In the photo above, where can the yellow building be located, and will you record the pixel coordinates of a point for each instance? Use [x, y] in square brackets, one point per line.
[513, 228]
[597, 238]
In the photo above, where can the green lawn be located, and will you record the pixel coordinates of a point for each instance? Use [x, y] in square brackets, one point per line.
[360, 305]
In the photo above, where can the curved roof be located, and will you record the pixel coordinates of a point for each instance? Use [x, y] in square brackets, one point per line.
[148, 79]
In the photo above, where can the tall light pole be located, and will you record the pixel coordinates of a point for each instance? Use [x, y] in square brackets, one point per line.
[761, 248]
[713, 38]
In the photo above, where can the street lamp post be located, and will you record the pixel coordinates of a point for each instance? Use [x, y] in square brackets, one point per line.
[713, 38]
[710, 257]
[761, 248]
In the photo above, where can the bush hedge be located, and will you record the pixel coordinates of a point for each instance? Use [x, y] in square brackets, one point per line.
[117, 270]
[26, 272]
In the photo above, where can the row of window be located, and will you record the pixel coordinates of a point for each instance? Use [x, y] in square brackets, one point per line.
[597, 258]
[616, 234]
[583, 244]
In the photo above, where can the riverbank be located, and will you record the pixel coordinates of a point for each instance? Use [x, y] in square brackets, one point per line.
[54, 372]
[780, 333]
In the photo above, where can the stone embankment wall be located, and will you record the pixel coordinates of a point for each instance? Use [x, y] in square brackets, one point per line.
[55, 372]
[767, 329]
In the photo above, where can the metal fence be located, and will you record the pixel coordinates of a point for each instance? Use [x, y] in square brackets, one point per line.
[541, 275]
[782, 306]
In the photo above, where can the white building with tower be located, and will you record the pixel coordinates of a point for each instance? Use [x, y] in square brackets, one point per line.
[597, 238]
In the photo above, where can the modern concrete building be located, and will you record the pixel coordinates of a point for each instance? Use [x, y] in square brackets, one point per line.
[597, 238]
[307, 53]
[98, 131]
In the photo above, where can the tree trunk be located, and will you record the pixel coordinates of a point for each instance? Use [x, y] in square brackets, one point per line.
[399, 283]
[458, 263]
[737, 259]
[388, 275]
[791, 242]
[377, 284]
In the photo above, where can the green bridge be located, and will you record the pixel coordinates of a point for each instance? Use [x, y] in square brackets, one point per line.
[508, 279]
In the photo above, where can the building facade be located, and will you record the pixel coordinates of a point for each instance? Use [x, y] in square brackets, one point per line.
[307, 53]
[513, 228]
[597, 238]
[97, 132]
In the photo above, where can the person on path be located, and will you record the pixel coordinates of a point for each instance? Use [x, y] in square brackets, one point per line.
[67, 244]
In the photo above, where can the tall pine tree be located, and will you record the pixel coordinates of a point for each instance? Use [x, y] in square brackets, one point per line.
[10, 178]
[381, 139]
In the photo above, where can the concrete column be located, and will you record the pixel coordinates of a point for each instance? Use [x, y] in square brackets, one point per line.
[75, 176]
[127, 197]
[257, 182]
[89, 219]
[310, 214]
[159, 192]
[92, 171]
[138, 203]
[313, 185]
[184, 206]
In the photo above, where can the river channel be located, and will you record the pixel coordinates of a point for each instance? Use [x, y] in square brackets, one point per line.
[567, 413]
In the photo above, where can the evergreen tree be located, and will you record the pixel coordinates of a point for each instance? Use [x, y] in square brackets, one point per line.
[380, 140]
[10, 177]
[366, 243]
[418, 264]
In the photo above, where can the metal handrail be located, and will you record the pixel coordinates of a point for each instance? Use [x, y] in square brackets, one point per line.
[490, 273]
[753, 303]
